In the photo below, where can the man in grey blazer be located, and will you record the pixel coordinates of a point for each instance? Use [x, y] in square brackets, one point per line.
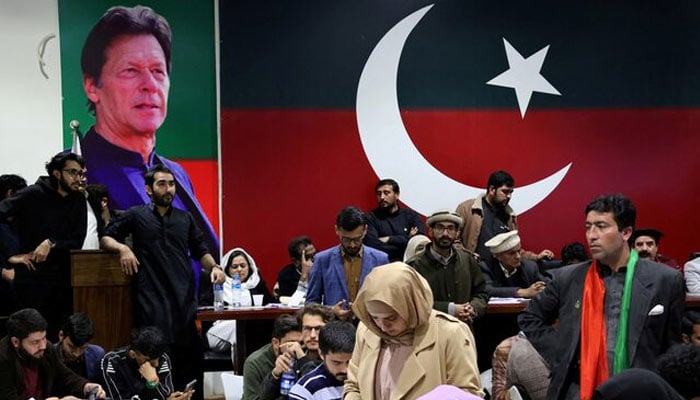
[588, 301]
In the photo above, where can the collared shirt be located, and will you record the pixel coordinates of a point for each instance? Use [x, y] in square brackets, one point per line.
[353, 270]
[507, 273]
[164, 285]
[439, 258]
[614, 285]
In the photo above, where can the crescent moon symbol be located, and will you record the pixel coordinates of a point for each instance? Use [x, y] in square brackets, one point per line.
[389, 148]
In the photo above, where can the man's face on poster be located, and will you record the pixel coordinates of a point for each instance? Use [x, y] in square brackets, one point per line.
[132, 93]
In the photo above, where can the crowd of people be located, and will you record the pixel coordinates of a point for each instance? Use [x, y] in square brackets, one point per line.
[390, 312]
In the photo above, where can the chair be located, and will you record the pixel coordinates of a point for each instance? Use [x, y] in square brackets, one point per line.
[233, 386]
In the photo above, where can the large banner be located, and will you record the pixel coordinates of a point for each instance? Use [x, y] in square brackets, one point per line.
[187, 140]
[321, 99]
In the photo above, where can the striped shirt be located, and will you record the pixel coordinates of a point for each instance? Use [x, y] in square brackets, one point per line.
[318, 384]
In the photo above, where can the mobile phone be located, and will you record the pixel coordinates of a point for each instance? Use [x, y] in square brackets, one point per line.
[190, 386]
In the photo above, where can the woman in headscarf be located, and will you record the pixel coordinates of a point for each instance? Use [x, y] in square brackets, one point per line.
[416, 244]
[404, 348]
[222, 335]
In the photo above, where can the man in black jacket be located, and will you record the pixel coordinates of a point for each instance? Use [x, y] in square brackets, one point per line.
[389, 227]
[51, 220]
[30, 368]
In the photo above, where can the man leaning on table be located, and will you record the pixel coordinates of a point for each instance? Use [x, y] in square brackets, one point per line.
[507, 274]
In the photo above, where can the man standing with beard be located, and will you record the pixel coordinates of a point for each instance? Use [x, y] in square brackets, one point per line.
[51, 220]
[338, 272]
[31, 368]
[489, 214]
[164, 239]
[453, 273]
[389, 227]
[325, 382]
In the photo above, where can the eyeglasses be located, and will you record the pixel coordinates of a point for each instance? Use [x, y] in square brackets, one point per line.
[450, 229]
[75, 173]
[355, 240]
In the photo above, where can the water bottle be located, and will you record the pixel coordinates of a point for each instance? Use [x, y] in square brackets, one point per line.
[218, 297]
[287, 381]
[236, 291]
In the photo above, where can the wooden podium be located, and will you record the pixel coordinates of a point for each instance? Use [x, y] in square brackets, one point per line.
[103, 292]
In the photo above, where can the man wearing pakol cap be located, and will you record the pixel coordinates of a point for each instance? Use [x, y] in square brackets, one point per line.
[453, 273]
[646, 242]
[507, 274]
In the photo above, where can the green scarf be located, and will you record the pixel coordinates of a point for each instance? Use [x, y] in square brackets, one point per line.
[621, 359]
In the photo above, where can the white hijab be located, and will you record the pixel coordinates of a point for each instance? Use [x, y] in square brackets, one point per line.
[250, 283]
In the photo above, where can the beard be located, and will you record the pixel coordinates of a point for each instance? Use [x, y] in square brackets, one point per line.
[28, 359]
[66, 186]
[444, 242]
[164, 200]
[341, 377]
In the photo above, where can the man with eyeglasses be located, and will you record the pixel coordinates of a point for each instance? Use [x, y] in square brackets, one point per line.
[51, 220]
[338, 272]
[312, 317]
[453, 273]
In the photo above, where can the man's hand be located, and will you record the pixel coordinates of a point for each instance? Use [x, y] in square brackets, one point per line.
[217, 275]
[23, 259]
[531, 291]
[42, 251]
[465, 312]
[340, 312]
[384, 239]
[413, 231]
[545, 254]
[8, 274]
[285, 361]
[99, 392]
[148, 372]
[306, 265]
[128, 261]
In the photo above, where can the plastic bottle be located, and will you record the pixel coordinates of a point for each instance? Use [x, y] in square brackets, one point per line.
[287, 381]
[236, 291]
[218, 297]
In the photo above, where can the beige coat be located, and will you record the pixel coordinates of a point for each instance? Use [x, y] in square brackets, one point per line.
[444, 353]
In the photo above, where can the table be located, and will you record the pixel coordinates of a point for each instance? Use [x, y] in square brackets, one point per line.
[242, 315]
[500, 316]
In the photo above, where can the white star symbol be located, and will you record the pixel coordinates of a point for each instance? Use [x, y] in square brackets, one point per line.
[524, 76]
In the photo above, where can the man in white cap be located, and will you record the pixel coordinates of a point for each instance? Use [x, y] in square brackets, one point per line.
[507, 274]
[452, 273]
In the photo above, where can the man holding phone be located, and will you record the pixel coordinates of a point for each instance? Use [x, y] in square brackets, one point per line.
[142, 369]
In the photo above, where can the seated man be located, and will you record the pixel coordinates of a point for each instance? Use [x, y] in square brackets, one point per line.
[141, 369]
[286, 338]
[301, 252]
[646, 243]
[325, 382]
[338, 272]
[516, 363]
[311, 319]
[680, 367]
[31, 369]
[453, 273]
[74, 347]
[691, 271]
[507, 274]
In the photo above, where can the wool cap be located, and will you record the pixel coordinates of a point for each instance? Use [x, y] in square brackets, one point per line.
[503, 242]
[444, 216]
